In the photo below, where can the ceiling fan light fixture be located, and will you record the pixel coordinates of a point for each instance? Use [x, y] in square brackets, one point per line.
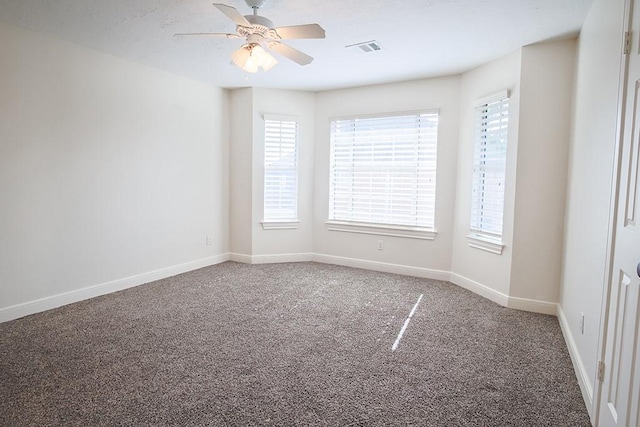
[250, 66]
[251, 57]
[269, 62]
[240, 57]
[263, 58]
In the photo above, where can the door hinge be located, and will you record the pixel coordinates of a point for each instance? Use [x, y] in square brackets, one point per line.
[626, 49]
[600, 371]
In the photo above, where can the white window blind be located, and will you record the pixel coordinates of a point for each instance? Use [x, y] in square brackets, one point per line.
[383, 170]
[489, 165]
[280, 169]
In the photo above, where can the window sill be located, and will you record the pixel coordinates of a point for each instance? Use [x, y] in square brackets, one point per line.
[280, 225]
[382, 230]
[485, 243]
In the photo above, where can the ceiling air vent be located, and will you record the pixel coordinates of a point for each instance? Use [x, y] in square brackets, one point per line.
[365, 47]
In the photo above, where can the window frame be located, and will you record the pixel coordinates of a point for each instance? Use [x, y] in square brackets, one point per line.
[386, 229]
[479, 237]
[292, 222]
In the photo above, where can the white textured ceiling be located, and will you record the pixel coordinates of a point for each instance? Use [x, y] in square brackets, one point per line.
[420, 38]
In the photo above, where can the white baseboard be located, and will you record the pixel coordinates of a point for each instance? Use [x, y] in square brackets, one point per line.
[271, 259]
[236, 257]
[480, 289]
[54, 301]
[382, 266]
[536, 306]
[581, 373]
[277, 258]
[31, 307]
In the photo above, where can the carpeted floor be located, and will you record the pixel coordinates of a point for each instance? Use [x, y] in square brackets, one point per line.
[287, 344]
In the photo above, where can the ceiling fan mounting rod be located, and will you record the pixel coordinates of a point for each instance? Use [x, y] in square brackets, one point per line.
[255, 5]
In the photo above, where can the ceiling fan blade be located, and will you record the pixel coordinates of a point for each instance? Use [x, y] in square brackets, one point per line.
[232, 13]
[293, 54]
[210, 35]
[307, 31]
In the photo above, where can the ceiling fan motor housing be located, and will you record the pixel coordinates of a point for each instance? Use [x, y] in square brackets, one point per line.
[255, 3]
[260, 21]
[260, 26]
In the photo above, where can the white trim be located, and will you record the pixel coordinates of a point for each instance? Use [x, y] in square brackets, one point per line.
[481, 242]
[271, 259]
[499, 96]
[279, 258]
[382, 266]
[243, 258]
[279, 117]
[382, 230]
[480, 289]
[386, 114]
[54, 301]
[536, 306]
[47, 303]
[578, 366]
[280, 225]
[516, 303]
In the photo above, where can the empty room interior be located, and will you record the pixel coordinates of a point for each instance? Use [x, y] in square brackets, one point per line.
[319, 213]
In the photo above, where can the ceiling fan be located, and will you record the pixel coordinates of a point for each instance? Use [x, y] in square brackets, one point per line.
[260, 33]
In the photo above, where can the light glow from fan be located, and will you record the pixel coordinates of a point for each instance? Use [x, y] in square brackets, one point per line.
[251, 57]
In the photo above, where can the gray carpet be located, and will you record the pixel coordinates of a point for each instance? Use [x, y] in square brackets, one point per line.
[287, 344]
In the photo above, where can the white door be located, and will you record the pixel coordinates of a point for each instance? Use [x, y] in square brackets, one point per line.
[620, 393]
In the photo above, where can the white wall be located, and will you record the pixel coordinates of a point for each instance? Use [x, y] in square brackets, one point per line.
[108, 171]
[471, 267]
[430, 256]
[240, 171]
[546, 95]
[249, 241]
[589, 184]
[300, 105]
[527, 273]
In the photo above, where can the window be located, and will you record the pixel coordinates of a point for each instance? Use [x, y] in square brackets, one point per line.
[489, 172]
[280, 172]
[383, 173]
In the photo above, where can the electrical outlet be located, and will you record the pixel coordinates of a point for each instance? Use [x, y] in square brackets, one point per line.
[208, 240]
[581, 323]
[380, 245]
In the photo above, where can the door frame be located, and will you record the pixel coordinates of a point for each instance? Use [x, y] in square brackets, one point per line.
[613, 203]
